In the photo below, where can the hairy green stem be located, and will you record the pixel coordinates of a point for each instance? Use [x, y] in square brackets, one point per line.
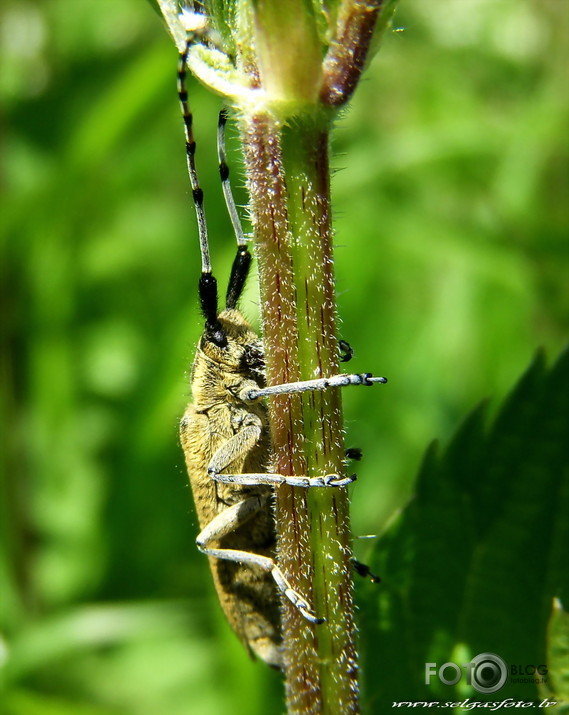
[288, 172]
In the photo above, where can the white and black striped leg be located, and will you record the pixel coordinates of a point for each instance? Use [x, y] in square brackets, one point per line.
[238, 447]
[323, 383]
[251, 479]
[225, 523]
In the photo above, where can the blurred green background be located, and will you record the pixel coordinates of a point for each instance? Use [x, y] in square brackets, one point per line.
[451, 215]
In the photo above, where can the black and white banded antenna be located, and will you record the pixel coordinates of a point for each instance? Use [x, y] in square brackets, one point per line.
[242, 261]
[207, 283]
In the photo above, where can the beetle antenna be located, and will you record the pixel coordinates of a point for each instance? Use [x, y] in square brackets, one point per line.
[242, 261]
[208, 283]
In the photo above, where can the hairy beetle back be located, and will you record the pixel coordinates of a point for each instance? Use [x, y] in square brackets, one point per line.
[247, 593]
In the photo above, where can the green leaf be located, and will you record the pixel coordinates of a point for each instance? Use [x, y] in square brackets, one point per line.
[558, 657]
[473, 563]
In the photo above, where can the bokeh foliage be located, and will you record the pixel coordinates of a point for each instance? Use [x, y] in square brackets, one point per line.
[451, 220]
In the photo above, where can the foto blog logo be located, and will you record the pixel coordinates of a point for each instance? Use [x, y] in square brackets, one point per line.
[486, 673]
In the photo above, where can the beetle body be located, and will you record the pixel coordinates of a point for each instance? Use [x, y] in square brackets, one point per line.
[247, 593]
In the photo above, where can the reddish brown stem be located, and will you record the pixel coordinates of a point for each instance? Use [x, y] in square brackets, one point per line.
[347, 54]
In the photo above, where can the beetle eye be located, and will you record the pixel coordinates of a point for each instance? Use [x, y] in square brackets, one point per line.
[219, 338]
[215, 335]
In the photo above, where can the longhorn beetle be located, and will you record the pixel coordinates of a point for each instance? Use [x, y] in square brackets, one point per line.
[226, 442]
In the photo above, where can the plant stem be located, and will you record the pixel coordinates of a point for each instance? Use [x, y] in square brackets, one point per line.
[288, 172]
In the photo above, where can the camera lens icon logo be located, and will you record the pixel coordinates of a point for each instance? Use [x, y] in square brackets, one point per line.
[488, 672]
